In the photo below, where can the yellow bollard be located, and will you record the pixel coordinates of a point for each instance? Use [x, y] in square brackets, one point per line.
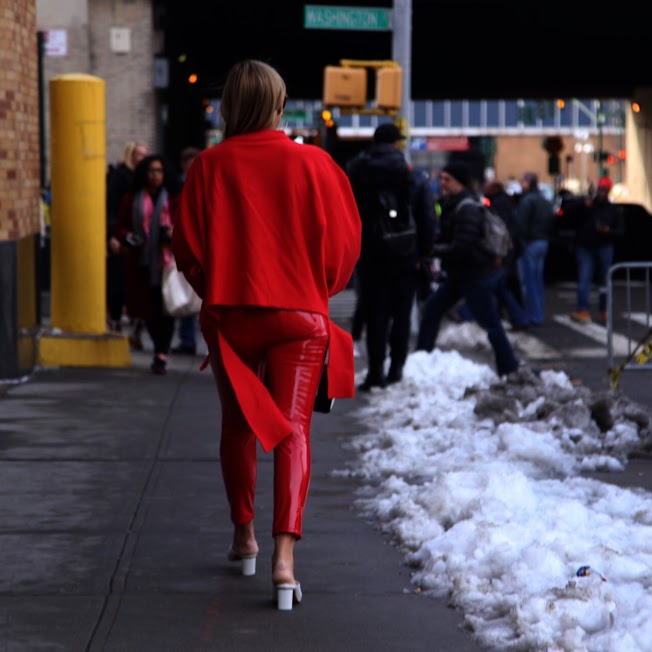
[78, 335]
[78, 163]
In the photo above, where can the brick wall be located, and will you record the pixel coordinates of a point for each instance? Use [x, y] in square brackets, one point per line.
[516, 155]
[19, 129]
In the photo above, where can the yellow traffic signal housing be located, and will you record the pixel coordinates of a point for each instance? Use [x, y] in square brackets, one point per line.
[344, 86]
[389, 87]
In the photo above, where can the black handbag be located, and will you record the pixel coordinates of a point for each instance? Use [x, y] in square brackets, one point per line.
[323, 404]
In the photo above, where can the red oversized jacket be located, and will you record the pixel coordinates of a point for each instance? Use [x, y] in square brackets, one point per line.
[264, 221]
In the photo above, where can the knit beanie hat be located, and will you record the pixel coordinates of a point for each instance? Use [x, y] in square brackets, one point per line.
[459, 171]
[605, 182]
[387, 133]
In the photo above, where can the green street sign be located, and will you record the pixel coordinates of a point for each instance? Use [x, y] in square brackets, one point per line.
[300, 115]
[359, 18]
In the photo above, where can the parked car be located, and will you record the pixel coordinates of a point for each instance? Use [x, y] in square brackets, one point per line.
[634, 246]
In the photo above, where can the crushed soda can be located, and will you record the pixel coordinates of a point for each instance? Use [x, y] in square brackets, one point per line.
[587, 571]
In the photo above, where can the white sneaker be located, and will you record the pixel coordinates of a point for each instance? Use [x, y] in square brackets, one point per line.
[357, 353]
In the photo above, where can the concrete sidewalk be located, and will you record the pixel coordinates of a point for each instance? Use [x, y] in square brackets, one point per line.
[114, 529]
[114, 524]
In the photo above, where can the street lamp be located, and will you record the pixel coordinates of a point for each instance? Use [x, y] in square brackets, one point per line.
[600, 119]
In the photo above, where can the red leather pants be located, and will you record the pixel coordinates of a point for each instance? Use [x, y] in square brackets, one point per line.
[286, 349]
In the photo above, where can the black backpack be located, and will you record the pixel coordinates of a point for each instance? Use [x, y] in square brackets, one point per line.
[394, 233]
[383, 191]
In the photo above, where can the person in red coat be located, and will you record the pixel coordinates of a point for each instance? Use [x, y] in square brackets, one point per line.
[144, 225]
[268, 230]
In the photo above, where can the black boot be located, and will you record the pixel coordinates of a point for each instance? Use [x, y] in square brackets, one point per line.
[395, 374]
[375, 378]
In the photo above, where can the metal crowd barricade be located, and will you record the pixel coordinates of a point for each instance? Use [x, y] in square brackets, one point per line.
[633, 281]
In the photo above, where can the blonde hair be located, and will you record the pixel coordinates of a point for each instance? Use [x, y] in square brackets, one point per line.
[128, 152]
[253, 94]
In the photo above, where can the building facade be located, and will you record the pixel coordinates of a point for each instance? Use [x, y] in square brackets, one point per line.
[508, 135]
[20, 185]
[122, 42]
[115, 40]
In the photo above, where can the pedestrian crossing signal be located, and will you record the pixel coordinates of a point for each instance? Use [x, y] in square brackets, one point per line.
[389, 83]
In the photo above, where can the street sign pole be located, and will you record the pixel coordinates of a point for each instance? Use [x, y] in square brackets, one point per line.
[402, 54]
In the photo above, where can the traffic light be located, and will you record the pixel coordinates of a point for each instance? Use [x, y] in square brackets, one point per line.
[553, 145]
[327, 117]
[326, 136]
[344, 86]
[389, 83]
[553, 164]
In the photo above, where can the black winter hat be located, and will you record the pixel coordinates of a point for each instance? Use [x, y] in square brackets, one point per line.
[388, 132]
[459, 171]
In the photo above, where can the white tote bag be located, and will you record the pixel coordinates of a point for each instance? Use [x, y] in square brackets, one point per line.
[179, 299]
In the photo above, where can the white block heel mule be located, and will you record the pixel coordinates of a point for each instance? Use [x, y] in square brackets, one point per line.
[248, 561]
[286, 595]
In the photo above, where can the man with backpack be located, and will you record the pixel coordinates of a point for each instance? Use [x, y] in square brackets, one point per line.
[471, 272]
[508, 289]
[398, 225]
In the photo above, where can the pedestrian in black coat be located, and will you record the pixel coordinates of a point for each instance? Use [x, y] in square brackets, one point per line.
[388, 284]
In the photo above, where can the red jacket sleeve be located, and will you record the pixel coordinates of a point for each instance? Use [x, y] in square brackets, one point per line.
[343, 232]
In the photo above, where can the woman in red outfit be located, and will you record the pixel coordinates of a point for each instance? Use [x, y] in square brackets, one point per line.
[144, 226]
[268, 230]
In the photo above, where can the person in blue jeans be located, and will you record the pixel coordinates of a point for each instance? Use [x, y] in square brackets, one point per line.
[599, 224]
[470, 272]
[516, 315]
[533, 225]
[502, 204]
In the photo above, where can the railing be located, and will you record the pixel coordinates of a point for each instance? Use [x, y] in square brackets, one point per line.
[634, 317]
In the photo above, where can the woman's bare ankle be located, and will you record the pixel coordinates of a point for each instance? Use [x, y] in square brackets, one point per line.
[282, 572]
[244, 539]
[283, 559]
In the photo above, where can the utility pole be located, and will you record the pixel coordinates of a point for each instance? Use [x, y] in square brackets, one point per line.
[600, 119]
[402, 54]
